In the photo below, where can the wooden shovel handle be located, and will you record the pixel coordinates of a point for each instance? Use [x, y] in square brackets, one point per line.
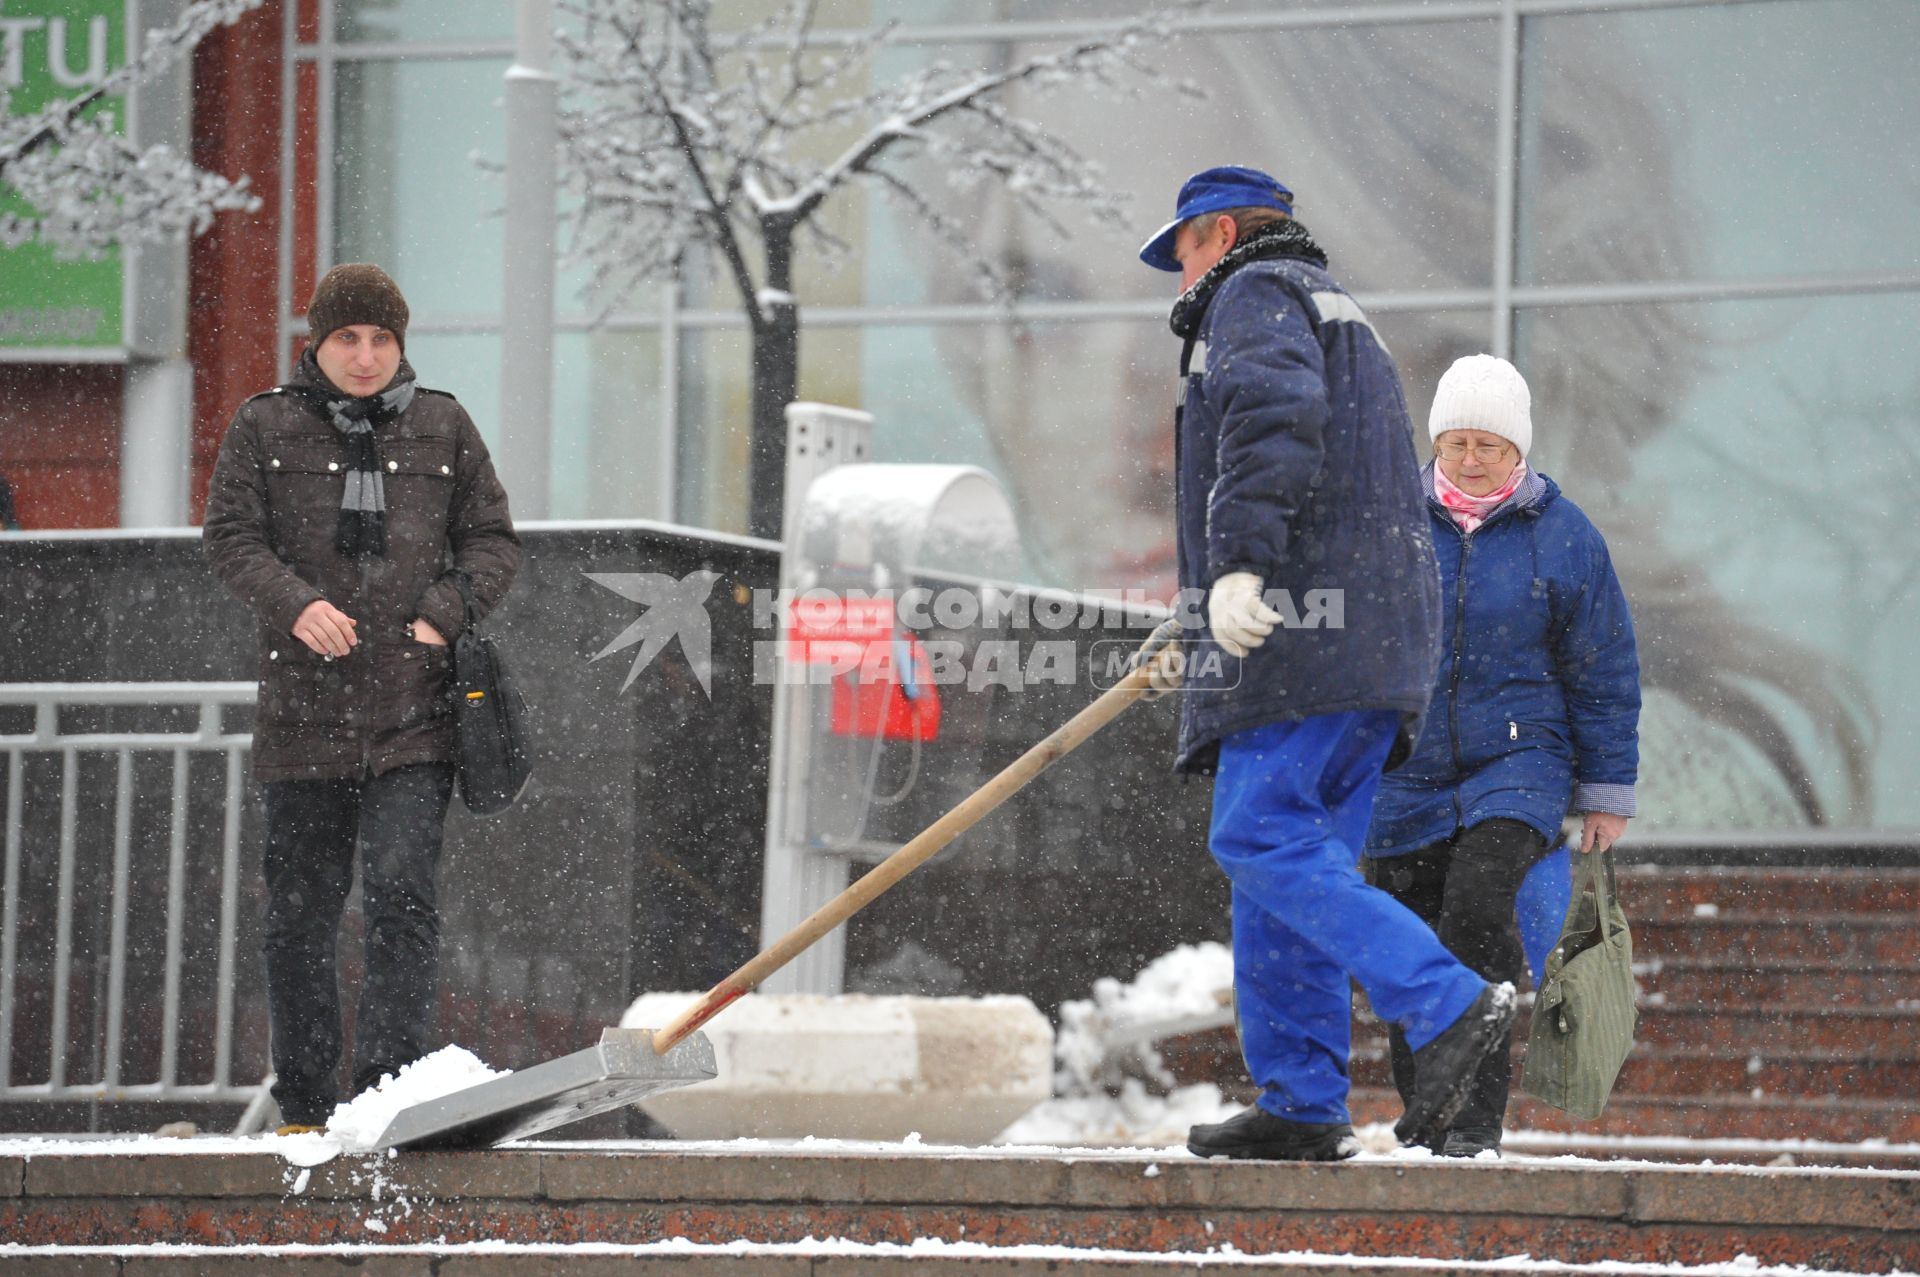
[875, 882]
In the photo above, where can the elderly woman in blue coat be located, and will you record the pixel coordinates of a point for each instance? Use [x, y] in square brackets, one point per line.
[1534, 712]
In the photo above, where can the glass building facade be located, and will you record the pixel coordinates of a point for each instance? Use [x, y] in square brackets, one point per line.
[1690, 224]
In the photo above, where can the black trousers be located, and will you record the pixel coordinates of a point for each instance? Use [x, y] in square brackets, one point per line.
[313, 826]
[1464, 889]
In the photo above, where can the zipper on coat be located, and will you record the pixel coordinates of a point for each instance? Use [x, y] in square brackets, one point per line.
[1459, 648]
[1513, 730]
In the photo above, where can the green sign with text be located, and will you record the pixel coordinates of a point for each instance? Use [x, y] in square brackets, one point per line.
[53, 49]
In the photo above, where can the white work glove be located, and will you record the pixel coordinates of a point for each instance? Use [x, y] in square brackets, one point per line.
[1240, 618]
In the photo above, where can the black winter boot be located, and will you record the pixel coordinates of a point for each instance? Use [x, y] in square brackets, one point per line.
[1477, 1125]
[1444, 1069]
[1400, 1056]
[1258, 1134]
[1471, 1141]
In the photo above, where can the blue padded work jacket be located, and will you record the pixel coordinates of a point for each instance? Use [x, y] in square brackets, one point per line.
[1296, 463]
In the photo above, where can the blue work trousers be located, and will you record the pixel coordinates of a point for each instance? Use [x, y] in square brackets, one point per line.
[1291, 802]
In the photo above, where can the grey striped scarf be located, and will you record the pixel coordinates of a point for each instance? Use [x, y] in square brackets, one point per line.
[362, 526]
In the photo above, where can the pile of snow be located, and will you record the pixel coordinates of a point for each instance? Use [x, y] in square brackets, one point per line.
[1132, 1119]
[1112, 1087]
[356, 1125]
[1110, 1038]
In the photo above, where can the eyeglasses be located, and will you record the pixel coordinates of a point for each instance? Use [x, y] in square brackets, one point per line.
[1454, 450]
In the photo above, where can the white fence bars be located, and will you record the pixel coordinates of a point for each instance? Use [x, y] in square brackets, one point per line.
[106, 782]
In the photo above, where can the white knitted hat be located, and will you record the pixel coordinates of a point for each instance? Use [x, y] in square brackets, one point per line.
[1483, 392]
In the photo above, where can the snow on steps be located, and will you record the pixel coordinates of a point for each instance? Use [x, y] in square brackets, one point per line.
[1154, 1211]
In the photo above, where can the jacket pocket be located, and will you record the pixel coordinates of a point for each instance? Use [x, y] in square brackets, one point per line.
[419, 479]
[298, 687]
[411, 685]
[305, 480]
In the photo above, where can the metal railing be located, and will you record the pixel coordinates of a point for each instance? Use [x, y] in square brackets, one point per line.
[48, 737]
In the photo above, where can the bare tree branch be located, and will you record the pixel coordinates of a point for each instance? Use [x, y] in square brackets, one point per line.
[89, 186]
[658, 102]
[678, 138]
[862, 154]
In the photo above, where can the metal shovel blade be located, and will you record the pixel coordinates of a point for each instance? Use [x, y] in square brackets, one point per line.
[622, 1068]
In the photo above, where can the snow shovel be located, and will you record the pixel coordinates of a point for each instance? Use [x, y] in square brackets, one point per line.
[621, 1068]
[876, 881]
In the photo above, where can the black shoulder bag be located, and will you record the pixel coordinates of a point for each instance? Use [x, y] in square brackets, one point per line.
[489, 717]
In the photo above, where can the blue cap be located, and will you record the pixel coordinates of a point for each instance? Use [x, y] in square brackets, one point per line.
[1214, 191]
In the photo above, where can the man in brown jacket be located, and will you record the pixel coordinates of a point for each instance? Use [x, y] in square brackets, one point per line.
[348, 510]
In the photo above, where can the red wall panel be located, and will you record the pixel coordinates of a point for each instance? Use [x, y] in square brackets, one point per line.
[60, 443]
[234, 279]
[306, 180]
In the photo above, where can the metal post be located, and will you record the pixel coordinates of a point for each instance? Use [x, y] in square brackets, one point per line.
[156, 419]
[117, 945]
[10, 914]
[229, 913]
[156, 392]
[63, 919]
[1506, 177]
[176, 921]
[669, 454]
[526, 331]
[326, 138]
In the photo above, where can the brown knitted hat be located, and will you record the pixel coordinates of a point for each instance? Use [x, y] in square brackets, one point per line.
[357, 293]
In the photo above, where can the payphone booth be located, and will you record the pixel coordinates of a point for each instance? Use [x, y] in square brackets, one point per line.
[862, 724]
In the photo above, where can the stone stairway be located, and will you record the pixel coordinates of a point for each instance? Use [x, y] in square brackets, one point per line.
[757, 1207]
[1776, 1004]
[593, 1259]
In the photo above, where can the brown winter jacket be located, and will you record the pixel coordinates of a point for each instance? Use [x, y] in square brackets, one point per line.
[272, 508]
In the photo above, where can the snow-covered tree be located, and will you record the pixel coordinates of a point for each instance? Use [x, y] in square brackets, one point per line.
[90, 187]
[683, 146]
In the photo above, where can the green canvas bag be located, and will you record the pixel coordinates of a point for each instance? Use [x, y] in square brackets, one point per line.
[1583, 1012]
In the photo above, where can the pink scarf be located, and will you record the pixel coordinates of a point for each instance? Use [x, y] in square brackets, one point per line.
[1468, 510]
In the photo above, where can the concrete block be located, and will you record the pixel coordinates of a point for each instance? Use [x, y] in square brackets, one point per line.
[778, 1176]
[102, 1265]
[563, 1264]
[1813, 1198]
[157, 1175]
[212, 1263]
[1346, 1187]
[771, 1175]
[956, 1070]
[966, 1181]
[439, 1176]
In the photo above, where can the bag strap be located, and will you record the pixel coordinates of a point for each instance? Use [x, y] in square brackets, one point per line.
[464, 583]
[1596, 872]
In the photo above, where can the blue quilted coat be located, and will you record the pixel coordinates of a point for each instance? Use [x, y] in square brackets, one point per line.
[1296, 463]
[1538, 692]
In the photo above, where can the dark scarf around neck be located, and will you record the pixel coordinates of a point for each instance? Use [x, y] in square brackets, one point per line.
[1262, 243]
[361, 528]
